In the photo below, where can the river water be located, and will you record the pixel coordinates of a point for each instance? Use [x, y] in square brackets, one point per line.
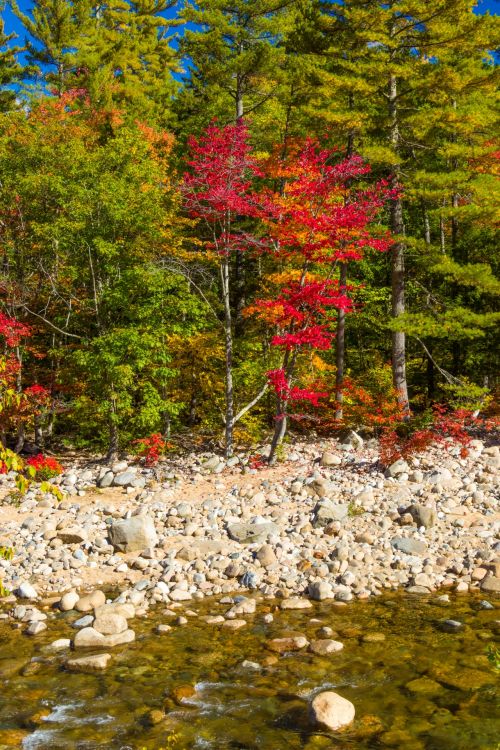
[414, 686]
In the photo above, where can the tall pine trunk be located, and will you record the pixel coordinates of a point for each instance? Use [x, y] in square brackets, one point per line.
[228, 345]
[340, 334]
[397, 258]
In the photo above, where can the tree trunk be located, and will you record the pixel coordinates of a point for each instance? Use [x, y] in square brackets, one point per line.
[113, 445]
[228, 340]
[39, 432]
[454, 227]
[431, 380]
[340, 349]
[19, 439]
[427, 226]
[281, 421]
[279, 434]
[398, 260]
[442, 234]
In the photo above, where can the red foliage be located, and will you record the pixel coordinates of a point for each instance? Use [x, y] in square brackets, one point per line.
[151, 448]
[18, 405]
[455, 426]
[277, 379]
[318, 219]
[256, 462]
[218, 186]
[46, 467]
[392, 447]
[12, 330]
[319, 215]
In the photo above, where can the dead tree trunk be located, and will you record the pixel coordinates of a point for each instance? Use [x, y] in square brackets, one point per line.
[397, 258]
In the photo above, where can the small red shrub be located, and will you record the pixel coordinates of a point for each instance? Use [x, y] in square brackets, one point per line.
[151, 448]
[45, 467]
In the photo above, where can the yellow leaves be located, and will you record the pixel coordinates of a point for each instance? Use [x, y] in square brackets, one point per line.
[319, 364]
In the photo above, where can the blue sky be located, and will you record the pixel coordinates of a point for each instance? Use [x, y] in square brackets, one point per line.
[12, 24]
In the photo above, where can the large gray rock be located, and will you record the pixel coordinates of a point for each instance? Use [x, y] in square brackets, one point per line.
[133, 534]
[124, 479]
[249, 533]
[106, 480]
[409, 546]
[325, 512]
[330, 710]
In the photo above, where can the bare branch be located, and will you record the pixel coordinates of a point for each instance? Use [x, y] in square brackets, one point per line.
[52, 325]
[251, 404]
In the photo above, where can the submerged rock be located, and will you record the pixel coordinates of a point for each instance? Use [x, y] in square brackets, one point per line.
[292, 643]
[94, 663]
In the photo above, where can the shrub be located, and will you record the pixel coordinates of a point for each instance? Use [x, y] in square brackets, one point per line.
[45, 467]
[151, 448]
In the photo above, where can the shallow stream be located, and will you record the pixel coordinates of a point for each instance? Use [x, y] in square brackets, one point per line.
[414, 686]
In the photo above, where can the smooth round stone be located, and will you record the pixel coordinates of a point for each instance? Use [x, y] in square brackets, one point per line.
[68, 601]
[90, 601]
[331, 710]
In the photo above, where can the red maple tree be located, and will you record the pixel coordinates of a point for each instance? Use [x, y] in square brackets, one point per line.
[321, 217]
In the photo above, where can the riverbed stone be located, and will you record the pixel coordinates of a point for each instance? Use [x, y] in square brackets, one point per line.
[296, 602]
[110, 624]
[409, 546]
[72, 535]
[94, 663]
[35, 628]
[61, 644]
[124, 609]
[26, 591]
[68, 601]
[291, 643]
[397, 468]
[133, 534]
[326, 511]
[491, 584]
[330, 459]
[325, 646]
[266, 556]
[88, 638]
[124, 479]
[90, 601]
[424, 686]
[423, 515]
[331, 710]
[320, 590]
[252, 533]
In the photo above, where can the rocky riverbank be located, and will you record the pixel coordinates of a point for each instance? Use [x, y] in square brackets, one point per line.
[326, 523]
